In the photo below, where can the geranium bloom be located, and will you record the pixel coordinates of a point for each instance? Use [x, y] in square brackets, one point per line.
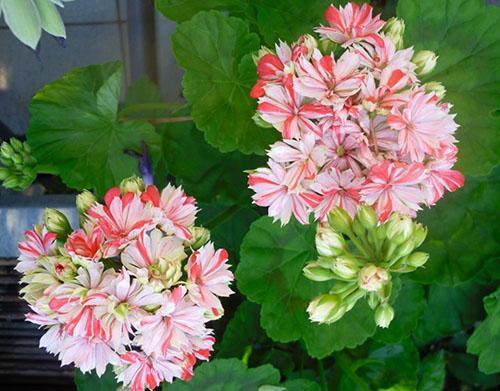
[137, 311]
[38, 242]
[381, 136]
[208, 277]
[350, 23]
[394, 187]
[121, 220]
[176, 211]
[287, 111]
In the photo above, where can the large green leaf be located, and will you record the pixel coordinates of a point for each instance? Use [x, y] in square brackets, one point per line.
[228, 374]
[432, 372]
[91, 382]
[301, 385]
[464, 232]
[203, 171]
[214, 50]
[182, 10]
[464, 367]
[465, 35]
[485, 341]
[409, 306]
[74, 128]
[270, 273]
[449, 310]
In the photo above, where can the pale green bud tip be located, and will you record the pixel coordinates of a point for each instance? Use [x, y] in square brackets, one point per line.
[328, 242]
[326, 308]
[261, 53]
[435, 87]
[346, 267]
[200, 236]
[316, 272]
[394, 29]
[84, 201]
[367, 217]
[417, 259]
[419, 234]
[260, 122]
[399, 228]
[426, 61]
[327, 46]
[340, 220]
[384, 314]
[133, 184]
[372, 278]
[56, 222]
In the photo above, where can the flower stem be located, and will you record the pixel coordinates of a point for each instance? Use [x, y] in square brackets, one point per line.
[322, 377]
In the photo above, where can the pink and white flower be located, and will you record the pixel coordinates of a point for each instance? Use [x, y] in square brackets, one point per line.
[37, 243]
[85, 244]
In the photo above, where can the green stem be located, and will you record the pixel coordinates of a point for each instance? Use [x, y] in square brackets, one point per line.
[359, 245]
[247, 354]
[322, 377]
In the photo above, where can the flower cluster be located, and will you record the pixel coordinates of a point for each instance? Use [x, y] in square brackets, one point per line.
[357, 126]
[365, 268]
[133, 287]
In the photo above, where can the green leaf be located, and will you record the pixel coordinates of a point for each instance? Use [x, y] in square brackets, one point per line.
[23, 19]
[228, 374]
[143, 100]
[286, 20]
[50, 20]
[465, 35]
[485, 341]
[432, 372]
[461, 304]
[202, 170]
[74, 127]
[464, 367]
[409, 306]
[91, 382]
[301, 385]
[270, 273]
[242, 330]
[182, 10]
[214, 50]
[464, 232]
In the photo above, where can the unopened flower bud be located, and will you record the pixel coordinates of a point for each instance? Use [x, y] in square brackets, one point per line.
[373, 300]
[367, 217]
[261, 122]
[403, 249]
[399, 228]
[57, 223]
[134, 184]
[435, 87]
[346, 267]
[417, 259]
[343, 288]
[6, 150]
[328, 242]
[394, 29]
[200, 236]
[84, 201]
[326, 308]
[426, 61]
[419, 234]
[340, 220]
[308, 42]
[315, 272]
[384, 314]
[372, 278]
[327, 46]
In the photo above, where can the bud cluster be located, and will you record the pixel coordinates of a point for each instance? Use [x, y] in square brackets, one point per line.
[133, 287]
[18, 167]
[360, 255]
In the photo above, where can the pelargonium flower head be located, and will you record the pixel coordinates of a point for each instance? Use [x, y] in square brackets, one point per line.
[114, 291]
[357, 126]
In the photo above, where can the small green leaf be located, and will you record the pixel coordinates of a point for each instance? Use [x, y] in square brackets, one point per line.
[74, 127]
[214, 50]
[409, 305]
[91, 382]
[301, 385]
[228, 374]
[432, 372]
[270, 273]
[182, 10]
[23, 19]
[485, 341]
[464, 33]
[50, 19]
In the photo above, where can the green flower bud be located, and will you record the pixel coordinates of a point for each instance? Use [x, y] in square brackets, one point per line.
[17, 145]
[57, 222]
[315, 272]
[343, 288]
[327, 46]
[435, 87]
[417, 259]
[6, 150]
[326, 308]
[346, 267]
[399, 228]
[372, 278]
[200, 236]
[426, 61]
[373, 300]
[328, 242]
[340, 220]
[384, 314]
[4, 173]
[84, 201]
[367, 217]
[12, 182]
[404, 249]
[394, 29]
[133, 184]
[419, 234]
[261, 123]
